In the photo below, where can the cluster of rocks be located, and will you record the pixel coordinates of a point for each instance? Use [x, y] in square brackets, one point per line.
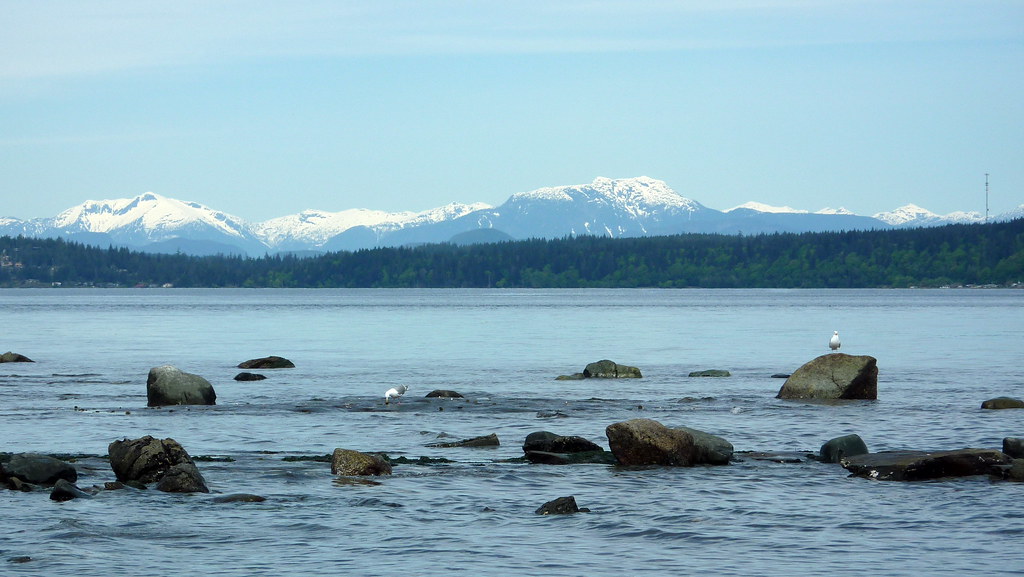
[136, 463]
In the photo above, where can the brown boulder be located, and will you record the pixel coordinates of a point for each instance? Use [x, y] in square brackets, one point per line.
[349, 462]
[833, 376]
[648, 442]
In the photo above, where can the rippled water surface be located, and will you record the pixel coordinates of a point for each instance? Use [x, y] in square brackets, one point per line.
[940, 353]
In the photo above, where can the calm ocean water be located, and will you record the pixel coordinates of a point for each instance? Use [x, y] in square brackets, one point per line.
[940, 354]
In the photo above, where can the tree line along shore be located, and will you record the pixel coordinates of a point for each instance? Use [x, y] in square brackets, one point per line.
[990, 254]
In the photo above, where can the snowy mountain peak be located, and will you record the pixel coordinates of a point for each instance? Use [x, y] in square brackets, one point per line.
[905, 214]
[634, 195]
[761, 207]
[159, 216]
[830, 210]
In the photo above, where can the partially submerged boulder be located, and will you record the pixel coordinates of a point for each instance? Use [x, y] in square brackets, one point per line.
[1014, 447]
[354, 463]
[1003, 403]
[482, 441]
[149, 460]
[247, 376]
[37, 469]
[648, 442]
[10, 357]
[444, 394]
[543, 447]
[271, 362]
[833, 376]
[922, 465]
[65, 490]
[834, 450]
[606, 369]
[714, 373]
[169, 385]
[561, 506]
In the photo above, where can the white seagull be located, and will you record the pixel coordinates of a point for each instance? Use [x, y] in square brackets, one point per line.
[833, 343]
[394, 392]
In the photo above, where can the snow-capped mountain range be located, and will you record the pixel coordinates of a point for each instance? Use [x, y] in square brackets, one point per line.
[628, 207]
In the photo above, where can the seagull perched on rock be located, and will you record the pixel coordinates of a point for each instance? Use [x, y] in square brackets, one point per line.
[833, 343]
[394, 392]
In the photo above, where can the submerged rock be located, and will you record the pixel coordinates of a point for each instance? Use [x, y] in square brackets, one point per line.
[444, 394]
[1003, 403]
[552, 443]
[606, 369]
[717, 373]
[148, 460]
[922, 466]
[354, 463]
[484, 441]
[834, 450]
[561, 506]
[10, 357]
[833, 376]
[1014, 447]
[246, 376]
[240, 498]
[65, 490]
[648, 442]
[169, 385]
[37, 469]
[271, 362]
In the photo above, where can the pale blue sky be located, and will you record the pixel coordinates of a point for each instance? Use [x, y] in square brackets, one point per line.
[263, 109]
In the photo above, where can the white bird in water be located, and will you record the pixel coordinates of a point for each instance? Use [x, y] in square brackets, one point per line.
[833, 343]
[394, 392]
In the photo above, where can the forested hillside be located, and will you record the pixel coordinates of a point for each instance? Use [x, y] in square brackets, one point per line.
[976, 254]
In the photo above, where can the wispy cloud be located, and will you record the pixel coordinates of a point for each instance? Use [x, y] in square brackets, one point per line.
[70, 37]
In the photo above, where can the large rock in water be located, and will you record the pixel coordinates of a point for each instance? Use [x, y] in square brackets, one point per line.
[648, 442]
[38, 469]
[149, 460]
[10, 357]
[922, 466]
[168, 385]
[834, 450]
[610, 370]
[349, 462]
[271, 362]
[833, 376]
[1003, 403]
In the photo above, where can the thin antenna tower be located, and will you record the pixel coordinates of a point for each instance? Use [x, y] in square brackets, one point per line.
[986, 198]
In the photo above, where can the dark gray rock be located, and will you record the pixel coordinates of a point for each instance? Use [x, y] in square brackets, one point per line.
[606, 369]
[833, 376]
[444, 394]
[552, 443]
[246, 376]
[648, 442]
[271, 362]
[572, 377]
[717, 373]
[922, 466]
[10, 357]
[561, 506]
[145, 460]
[354, 463]
[182, 478]
[599, 457]
[835, 449]
[1014, 447]
[781, 376]
[168, 385]
[37, 469]
[1014, 471]
[65, 490]
[240, 498]
[1003, 403]
[484, 441]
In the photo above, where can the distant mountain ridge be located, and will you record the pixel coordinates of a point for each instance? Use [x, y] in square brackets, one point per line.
[628, 207]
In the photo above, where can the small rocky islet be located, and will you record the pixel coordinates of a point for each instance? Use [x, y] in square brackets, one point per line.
[165, 465]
